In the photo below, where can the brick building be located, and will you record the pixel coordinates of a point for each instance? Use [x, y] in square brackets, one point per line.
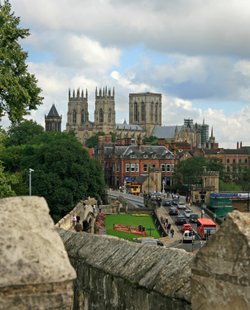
[129, 162]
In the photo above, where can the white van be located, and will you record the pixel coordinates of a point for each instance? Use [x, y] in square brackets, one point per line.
[188, 236]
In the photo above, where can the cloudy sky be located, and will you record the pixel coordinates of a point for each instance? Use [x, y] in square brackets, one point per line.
[195, 52]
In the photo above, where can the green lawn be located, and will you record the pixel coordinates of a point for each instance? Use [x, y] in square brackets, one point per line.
[128, 219]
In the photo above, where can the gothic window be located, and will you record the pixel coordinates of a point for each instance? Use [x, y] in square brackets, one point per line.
[74, 117]
[83, 117]
[109, 116]
[101, 116]
[143, 112]
[168, 167]
[152, 112]
[135, 112]
[156, 112]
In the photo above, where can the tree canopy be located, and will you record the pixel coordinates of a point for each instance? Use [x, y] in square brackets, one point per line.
[19, 92]
[63, 171]
[189, 172]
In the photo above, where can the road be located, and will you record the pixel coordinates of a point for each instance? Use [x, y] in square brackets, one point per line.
[138, 201]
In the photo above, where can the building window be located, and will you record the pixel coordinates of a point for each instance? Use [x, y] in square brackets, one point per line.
[143, 112]
[127, 168]
[168, 168]
[83, 117]
[117, 167]
[156, 112]
[109, 116]
[152, 111]
[239, 160]
[228, 160]
[234, 161]
[132, 167]
[74, 117]
[245, 161]
[137, 167]
[145, 168]
[162, 167]
[135, 112]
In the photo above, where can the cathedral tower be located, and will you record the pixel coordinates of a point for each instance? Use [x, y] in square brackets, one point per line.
[53, 121]
[78, 115]
[104, 110]
[145, 109]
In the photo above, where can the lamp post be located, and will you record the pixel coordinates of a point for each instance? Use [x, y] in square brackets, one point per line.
[30, 171]
[163, 186]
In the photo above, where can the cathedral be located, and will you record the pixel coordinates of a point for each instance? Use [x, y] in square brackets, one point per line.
[145, 119]
[145, 112]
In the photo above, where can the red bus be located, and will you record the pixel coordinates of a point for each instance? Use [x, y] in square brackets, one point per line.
[206, 227]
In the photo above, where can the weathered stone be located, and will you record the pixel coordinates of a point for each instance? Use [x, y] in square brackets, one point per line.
[117, 274]
[35, 272]
[221, 269]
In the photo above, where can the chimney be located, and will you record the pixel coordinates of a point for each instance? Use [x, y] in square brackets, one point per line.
[237, 145]
[240, 144]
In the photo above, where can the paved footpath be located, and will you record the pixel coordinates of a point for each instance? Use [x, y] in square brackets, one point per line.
[162, 212]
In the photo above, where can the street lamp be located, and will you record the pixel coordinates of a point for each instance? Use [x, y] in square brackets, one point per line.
[30, 171]
[163, 186]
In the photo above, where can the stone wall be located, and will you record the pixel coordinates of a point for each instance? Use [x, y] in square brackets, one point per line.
[35, 272]
[117, 274]
[82, 210]
[221, 269]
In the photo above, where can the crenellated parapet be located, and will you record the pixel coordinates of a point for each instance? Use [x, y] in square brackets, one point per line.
[78, 94]
[105, 92]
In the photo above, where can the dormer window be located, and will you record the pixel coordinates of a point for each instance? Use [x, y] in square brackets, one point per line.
[145, 156]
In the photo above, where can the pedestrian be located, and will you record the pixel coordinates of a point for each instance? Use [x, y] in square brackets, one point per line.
[172, 233]
[74, 220]
[168, 228]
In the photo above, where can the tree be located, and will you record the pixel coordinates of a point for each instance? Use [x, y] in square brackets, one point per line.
[63, 171]
[93, 141]
[19, 92]
[6, 182]
[23, 133]
[150, 140]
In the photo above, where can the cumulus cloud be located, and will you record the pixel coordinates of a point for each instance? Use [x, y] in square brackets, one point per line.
[190, 50]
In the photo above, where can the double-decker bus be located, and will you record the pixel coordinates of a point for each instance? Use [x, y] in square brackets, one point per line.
[206, 227]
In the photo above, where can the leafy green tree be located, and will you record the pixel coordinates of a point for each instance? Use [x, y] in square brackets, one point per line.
[63, 171]
[6, 183]
[189, 172]
[152, 140]
[93, 141]
[23, 132]
[19, 92]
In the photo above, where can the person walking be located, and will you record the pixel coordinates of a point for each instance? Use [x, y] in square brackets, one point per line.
[172, 233]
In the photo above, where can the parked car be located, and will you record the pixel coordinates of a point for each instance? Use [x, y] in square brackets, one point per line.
[188, 236]
[187, 212]
[180, 220]
[181, 206]
[166, 203]
[186, 227]
[193, 217]
[175, 202]
[173, 211]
